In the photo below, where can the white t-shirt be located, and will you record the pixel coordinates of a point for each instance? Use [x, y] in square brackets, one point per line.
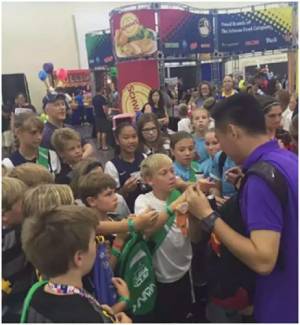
[185, 125]
[287, 119]
[173, 258]
[111, 170]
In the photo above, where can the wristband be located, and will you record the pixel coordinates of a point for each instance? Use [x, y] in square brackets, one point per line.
[115, 252]
[131, 226]
[208, 222]
[124, 299]
[169, 211]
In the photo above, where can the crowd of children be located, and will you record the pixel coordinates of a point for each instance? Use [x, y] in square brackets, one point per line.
[67, 220]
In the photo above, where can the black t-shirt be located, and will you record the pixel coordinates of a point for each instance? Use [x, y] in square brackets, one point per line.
[98, 103]
[65, 175]
[46, 307]
[17, 271]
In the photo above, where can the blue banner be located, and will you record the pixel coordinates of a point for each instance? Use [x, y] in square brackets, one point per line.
[183, 33]
[99, 49]
[258, 30]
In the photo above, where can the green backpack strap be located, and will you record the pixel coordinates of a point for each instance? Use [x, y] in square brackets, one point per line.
[43, 157]
[28, 299]
[158, 237]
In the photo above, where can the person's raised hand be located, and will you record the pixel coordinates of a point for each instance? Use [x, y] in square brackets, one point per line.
[121, 286]
[234, 175]
[130, 184]
[197, 201]
[145, 219]
[123, 318]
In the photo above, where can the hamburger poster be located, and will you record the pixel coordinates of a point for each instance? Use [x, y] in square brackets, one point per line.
[134, 34]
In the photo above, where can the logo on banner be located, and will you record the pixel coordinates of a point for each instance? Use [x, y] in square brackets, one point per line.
[134, 39]
[204, 27]
[134, 96]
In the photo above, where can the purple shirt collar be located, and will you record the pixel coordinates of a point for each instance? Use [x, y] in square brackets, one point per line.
[258, 152]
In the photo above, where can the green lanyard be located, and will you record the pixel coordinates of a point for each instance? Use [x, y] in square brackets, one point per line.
[43, 157]
[161, 234]
[28, 299]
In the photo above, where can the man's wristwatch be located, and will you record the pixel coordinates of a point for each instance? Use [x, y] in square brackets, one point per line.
[208, 222]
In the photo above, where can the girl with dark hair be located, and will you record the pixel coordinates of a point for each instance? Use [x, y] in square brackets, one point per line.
[156, 105]
[150, 135]
[125, 167]
[273, 119]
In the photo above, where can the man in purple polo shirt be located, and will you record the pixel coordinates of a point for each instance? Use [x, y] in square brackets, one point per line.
[240, 128]
[55, 107]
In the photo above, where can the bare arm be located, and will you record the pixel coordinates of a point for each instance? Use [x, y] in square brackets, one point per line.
[88, 150]
[259, 252]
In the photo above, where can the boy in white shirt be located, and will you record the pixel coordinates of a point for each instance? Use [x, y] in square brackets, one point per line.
[172, 259]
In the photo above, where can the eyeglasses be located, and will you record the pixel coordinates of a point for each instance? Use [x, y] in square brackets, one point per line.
[149, 130]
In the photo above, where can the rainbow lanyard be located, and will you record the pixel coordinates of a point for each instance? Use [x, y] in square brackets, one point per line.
[64, 289]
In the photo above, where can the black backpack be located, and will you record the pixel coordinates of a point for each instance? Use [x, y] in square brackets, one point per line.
[226, 273]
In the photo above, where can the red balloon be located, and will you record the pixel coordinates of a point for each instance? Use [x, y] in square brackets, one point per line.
[62, 74]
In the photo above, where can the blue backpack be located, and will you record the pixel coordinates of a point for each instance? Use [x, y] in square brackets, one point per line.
[105, 291]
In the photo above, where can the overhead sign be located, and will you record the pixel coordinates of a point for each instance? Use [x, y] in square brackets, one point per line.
[99, 49]
[183, 32]
[134, 34]
[258, 30]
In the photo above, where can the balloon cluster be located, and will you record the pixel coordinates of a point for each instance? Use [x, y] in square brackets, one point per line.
[47, 71]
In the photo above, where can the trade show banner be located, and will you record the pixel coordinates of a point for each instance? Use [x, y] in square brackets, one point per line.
[133, 33]
[136, 79]
[257, 30]
[99, 49]
[183, 32]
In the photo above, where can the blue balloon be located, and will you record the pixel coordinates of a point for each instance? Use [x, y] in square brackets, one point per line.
[43, 75]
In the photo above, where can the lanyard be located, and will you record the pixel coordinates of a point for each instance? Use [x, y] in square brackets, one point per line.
[63, 289]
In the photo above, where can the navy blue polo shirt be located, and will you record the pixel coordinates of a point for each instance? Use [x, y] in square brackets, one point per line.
[17, 159]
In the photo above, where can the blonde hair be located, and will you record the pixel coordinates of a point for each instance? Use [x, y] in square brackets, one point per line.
[62, 136]
[199, 109]
[32, 174]
[12, 191]
[154, 163]
[26, 121]
[44, 197]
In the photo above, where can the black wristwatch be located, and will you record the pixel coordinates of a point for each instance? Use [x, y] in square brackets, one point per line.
[208, 222]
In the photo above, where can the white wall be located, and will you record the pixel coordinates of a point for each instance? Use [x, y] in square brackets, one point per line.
[38, 32]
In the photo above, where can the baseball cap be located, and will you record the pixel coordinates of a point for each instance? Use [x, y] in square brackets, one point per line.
[52, 97]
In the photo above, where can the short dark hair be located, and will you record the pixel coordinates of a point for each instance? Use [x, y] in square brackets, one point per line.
[242, 110]
[50, 240]
[176, 137]
[266, 102]
[93, 184]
